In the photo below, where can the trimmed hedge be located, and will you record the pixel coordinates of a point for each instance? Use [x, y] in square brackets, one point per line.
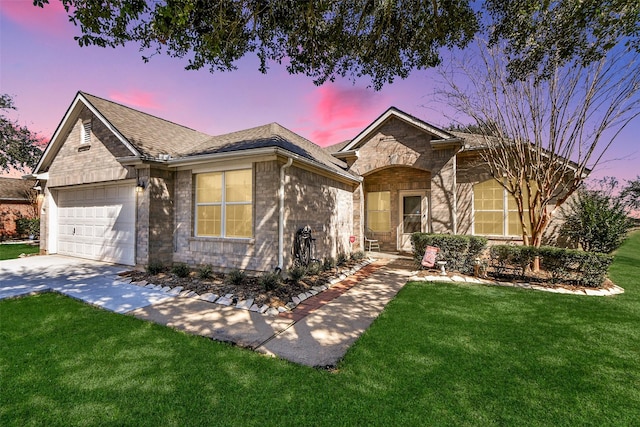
[459, 251]
[563, 265]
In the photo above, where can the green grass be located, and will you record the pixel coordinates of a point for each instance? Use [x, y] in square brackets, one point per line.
[438, 355]
[11, 251]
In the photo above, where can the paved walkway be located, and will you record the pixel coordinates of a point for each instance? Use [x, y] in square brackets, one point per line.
[317, 333]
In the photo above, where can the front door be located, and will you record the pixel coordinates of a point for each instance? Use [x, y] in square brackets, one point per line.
[413, 218]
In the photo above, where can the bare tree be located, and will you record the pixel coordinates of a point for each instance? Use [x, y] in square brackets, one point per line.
[543, 136]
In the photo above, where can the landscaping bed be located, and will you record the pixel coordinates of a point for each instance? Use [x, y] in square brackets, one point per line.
[276, 292]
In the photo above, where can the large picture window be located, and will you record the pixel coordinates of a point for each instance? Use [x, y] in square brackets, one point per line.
[379, 211]
[495, 211]
[224, 204]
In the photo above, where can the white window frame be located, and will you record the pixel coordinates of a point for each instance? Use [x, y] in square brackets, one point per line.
[387, 211]
[505, 212]
[223, 204]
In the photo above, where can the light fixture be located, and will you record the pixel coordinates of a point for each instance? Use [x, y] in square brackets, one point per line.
[140, 186]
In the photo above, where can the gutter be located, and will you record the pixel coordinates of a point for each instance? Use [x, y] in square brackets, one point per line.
[281, 214]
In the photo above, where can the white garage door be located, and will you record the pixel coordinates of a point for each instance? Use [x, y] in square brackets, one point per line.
[98, 223]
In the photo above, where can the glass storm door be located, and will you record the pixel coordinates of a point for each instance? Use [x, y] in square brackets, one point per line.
[413, 219]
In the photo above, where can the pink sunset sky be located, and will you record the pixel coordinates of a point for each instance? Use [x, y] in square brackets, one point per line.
[43, 68]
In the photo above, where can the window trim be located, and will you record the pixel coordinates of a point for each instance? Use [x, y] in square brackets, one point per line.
[367, 210]
[505, 211]
[223, 204]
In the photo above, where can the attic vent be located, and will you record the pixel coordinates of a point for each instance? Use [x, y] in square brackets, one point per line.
[85, 134]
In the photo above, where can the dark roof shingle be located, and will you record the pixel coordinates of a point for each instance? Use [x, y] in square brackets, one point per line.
[15, 188]
[150, 135]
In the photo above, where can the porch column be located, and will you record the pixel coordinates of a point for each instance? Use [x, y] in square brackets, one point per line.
[443, 198]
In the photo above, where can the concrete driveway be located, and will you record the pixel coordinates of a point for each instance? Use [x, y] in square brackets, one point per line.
[93, 282]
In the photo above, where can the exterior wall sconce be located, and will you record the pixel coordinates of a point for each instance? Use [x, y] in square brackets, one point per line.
[140, 186]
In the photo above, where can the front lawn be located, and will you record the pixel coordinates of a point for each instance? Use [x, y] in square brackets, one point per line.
[438, 355]
[11, 251]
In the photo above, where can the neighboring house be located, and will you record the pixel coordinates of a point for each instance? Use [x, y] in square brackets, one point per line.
[127, 187]
[16, 201]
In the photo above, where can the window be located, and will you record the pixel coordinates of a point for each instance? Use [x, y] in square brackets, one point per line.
[379, 211]
[224, 204]
[85, 133]
[495, 212]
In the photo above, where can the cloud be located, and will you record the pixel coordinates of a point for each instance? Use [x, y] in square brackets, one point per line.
[52, 19]
[340, 113]
[137, 99]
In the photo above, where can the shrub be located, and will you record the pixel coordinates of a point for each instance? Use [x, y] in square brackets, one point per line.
[181, 270]
[328, 263]
[596, 219]
[28, 227]
[314, 268]
[297, 273]
[459, 251]
[510, 257]
[235, 277]
[342, 259]
[155, 267]
[357, 255]
[205, 272]
[269, 281]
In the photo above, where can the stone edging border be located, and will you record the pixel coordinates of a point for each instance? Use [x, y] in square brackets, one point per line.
[614, 290]
[228, 299]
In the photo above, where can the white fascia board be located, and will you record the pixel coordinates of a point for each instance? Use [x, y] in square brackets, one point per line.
[72, 112]
[394, 112]
[257, 154]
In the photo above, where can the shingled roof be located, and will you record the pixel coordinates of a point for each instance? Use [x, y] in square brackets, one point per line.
[15, 189]
[150, 135]
[270, 135]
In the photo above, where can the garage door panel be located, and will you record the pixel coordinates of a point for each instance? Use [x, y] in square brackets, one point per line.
[98, 223]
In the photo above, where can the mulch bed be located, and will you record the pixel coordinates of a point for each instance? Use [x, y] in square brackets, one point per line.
[249, 289]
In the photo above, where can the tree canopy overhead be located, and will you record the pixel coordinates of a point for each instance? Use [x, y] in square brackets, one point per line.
[541, 35]
[322, 39]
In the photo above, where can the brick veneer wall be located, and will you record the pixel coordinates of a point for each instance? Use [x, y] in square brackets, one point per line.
[326, 205]
[256, 254]
[75, 165]
[310, 199]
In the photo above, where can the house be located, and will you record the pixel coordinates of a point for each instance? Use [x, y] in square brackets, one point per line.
[123, 186]
[16, 201]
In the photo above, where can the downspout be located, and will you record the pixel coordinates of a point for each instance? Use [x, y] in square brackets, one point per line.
[455, 194]
[281, 215]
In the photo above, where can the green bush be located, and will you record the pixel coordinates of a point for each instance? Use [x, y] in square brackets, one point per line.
[155, 267]
[597, 220]
[205, 272]
[328, 263]
[269, 281]
[571, 265]
[357, 255]
[28, 227]
[181, 270]
[563, 265]
[314, 268]
[297, 273]
[459, 251]
[235, 277]
[510, 257]
[342, 259]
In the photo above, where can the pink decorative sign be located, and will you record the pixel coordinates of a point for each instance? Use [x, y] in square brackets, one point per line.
[352, 239]
[429, 258]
